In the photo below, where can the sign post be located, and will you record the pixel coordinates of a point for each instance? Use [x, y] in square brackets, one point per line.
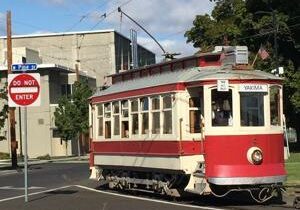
[23, 91]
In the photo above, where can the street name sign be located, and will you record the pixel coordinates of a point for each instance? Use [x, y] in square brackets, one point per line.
[24, 67]
[24, 90]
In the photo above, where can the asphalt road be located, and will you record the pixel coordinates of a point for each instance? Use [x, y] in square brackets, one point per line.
[65, 186]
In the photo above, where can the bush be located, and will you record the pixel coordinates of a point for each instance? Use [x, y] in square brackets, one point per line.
[44, 157]
[4, 156]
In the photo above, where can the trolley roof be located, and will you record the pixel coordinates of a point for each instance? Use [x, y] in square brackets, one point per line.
[189, 75]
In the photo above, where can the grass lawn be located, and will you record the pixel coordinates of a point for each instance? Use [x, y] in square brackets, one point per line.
[293, 169]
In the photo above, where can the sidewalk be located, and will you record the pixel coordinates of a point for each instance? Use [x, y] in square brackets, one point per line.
[6, 164]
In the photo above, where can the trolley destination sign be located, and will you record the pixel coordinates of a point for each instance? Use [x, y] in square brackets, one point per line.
[253, 88]
[24, 90]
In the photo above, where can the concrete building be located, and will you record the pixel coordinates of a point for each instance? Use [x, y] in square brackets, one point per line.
[56, 81]
[99, 53]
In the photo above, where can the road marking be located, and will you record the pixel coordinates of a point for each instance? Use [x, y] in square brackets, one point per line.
[7, 172]
[148, 199]
[20, 188]
[35, 193]
[110, 193]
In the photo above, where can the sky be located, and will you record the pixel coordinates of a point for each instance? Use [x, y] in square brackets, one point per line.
[166, 20]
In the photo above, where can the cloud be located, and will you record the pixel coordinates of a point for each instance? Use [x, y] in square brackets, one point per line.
[162, 16]
[57, 2]
[64, 3]
[170, 46]
[2, 23]
[166, 20]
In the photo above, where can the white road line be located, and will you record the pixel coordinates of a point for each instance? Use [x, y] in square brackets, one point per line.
[148, 199]
[21, 188]
[35, 193]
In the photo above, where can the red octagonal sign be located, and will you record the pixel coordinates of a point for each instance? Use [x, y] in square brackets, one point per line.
[24, 90]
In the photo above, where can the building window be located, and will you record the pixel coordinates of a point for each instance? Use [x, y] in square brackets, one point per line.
[135, 116]
[252, 109]
[221, 104]
[56, 133]
[144, 104]
[167, 114]
[100, 119]
[116, 116]
[155, 115]
[195, 114]
[66, 89]
[275, 105]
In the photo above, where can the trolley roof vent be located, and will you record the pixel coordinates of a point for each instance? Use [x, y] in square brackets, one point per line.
[234, 54]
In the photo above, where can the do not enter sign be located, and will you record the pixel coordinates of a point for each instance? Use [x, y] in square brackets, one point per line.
[23, 90]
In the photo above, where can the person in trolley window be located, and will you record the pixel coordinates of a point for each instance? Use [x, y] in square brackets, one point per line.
[221, 110]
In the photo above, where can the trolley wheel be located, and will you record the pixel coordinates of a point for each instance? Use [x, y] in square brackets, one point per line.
[297, 202]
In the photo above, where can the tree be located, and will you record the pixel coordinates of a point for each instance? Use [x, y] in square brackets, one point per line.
[241, 22]
[71, 115]
[4, 109]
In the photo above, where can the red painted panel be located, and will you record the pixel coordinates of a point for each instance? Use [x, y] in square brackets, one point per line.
[226, 156]
[147, 148]
[138, 92]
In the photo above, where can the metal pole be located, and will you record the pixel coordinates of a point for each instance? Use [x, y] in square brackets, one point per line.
[24, 137]
[20, 133]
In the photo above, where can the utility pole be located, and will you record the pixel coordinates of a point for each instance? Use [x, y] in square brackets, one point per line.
[78, 80]
[275, 31]
[275, 27]
[12, 121]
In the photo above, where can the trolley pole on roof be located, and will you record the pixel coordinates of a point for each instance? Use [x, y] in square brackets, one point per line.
[166, 54]
[123, 13]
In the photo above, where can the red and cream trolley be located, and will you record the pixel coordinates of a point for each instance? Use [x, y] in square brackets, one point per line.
[195, 124]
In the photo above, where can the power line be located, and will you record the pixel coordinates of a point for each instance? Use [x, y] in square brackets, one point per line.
[105, 15]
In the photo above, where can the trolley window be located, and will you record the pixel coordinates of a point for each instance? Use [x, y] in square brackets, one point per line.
[195, 114]
[155, 115]
[107, 123]
[135, 116]
[116, 117]
[221, 105]
[124, 121]
[252, 109]
[100, 119]
[275, 105]
[167, 114]
[145, 115]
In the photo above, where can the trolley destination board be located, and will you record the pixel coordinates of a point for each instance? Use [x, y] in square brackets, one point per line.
[23, 90]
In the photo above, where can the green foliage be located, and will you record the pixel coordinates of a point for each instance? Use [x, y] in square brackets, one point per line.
[80, 99]
[44, 157]
[71, 115]
[242, 22]
[4, 156]
[4, 108]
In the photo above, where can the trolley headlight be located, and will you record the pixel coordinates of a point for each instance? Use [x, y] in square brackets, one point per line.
[255, 156]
